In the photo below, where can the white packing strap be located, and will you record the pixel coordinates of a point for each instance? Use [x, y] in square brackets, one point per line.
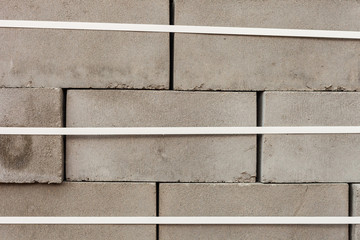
[274, 32]
[128, 131]
[182, 220]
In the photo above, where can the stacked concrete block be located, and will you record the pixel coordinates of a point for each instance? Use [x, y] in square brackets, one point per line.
[80, 58]
[310, 158]
[355, 210]
[160, 158]
[253, 200]
[179, 175]
[26, 158]
[78, 199]
[218, 62]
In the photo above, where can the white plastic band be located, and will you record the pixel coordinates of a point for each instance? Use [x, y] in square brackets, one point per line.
[181, 220]
[274, 32]
[117, 131]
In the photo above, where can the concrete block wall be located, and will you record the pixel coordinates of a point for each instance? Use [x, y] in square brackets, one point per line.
[79, 78]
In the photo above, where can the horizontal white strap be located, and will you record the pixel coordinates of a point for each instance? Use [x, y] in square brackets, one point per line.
[275, 32]
[180, 220]
[127, 131]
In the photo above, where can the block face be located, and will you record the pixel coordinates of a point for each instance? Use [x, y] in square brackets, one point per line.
[78, 199]
[254, 200]
[105, 108]
[80, 232]
[310, 158]
[214, 62]
[125, 11]
[249, 232]
[301, 14]
[161, 158]
[355, 210]
[184, 159]
[83, 59]
[27, 159]
[205, 62]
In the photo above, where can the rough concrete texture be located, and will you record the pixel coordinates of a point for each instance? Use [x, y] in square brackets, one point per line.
[300, 14]
[27, 159]
[82, 59]
[251, 232]
[208, 62]
[254, 200]
[78, 232]
[161, 158]
[355, 210]
[78, 199]
[310, 158]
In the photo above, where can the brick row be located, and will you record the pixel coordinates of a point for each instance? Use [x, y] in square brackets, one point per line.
[98, 59]
[283, 158]
[177, 199]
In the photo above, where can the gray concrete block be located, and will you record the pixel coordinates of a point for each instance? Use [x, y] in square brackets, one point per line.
[78, 199]
[82, 59]
[210, 62]
[79, 232]
[254, 200]
[300, 14]
[28, 159]
[355, 210]
[161, 158]
[310, 158]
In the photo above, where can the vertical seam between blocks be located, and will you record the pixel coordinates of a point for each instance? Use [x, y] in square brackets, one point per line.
[350, 212]
[171, 44]
[64, 137]
[259, 137]
[157, 208]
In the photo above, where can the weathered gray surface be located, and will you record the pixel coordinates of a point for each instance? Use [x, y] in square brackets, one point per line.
[208, 62]
[159, 158]
[78, 199]
[301, 14]
[26, 159]
[250, 232]
[355, 210]
[78, 232]
[82, 59]
[254, 200]
[311, 158]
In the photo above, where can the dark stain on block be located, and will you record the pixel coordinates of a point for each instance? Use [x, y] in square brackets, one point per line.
[15, 151]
